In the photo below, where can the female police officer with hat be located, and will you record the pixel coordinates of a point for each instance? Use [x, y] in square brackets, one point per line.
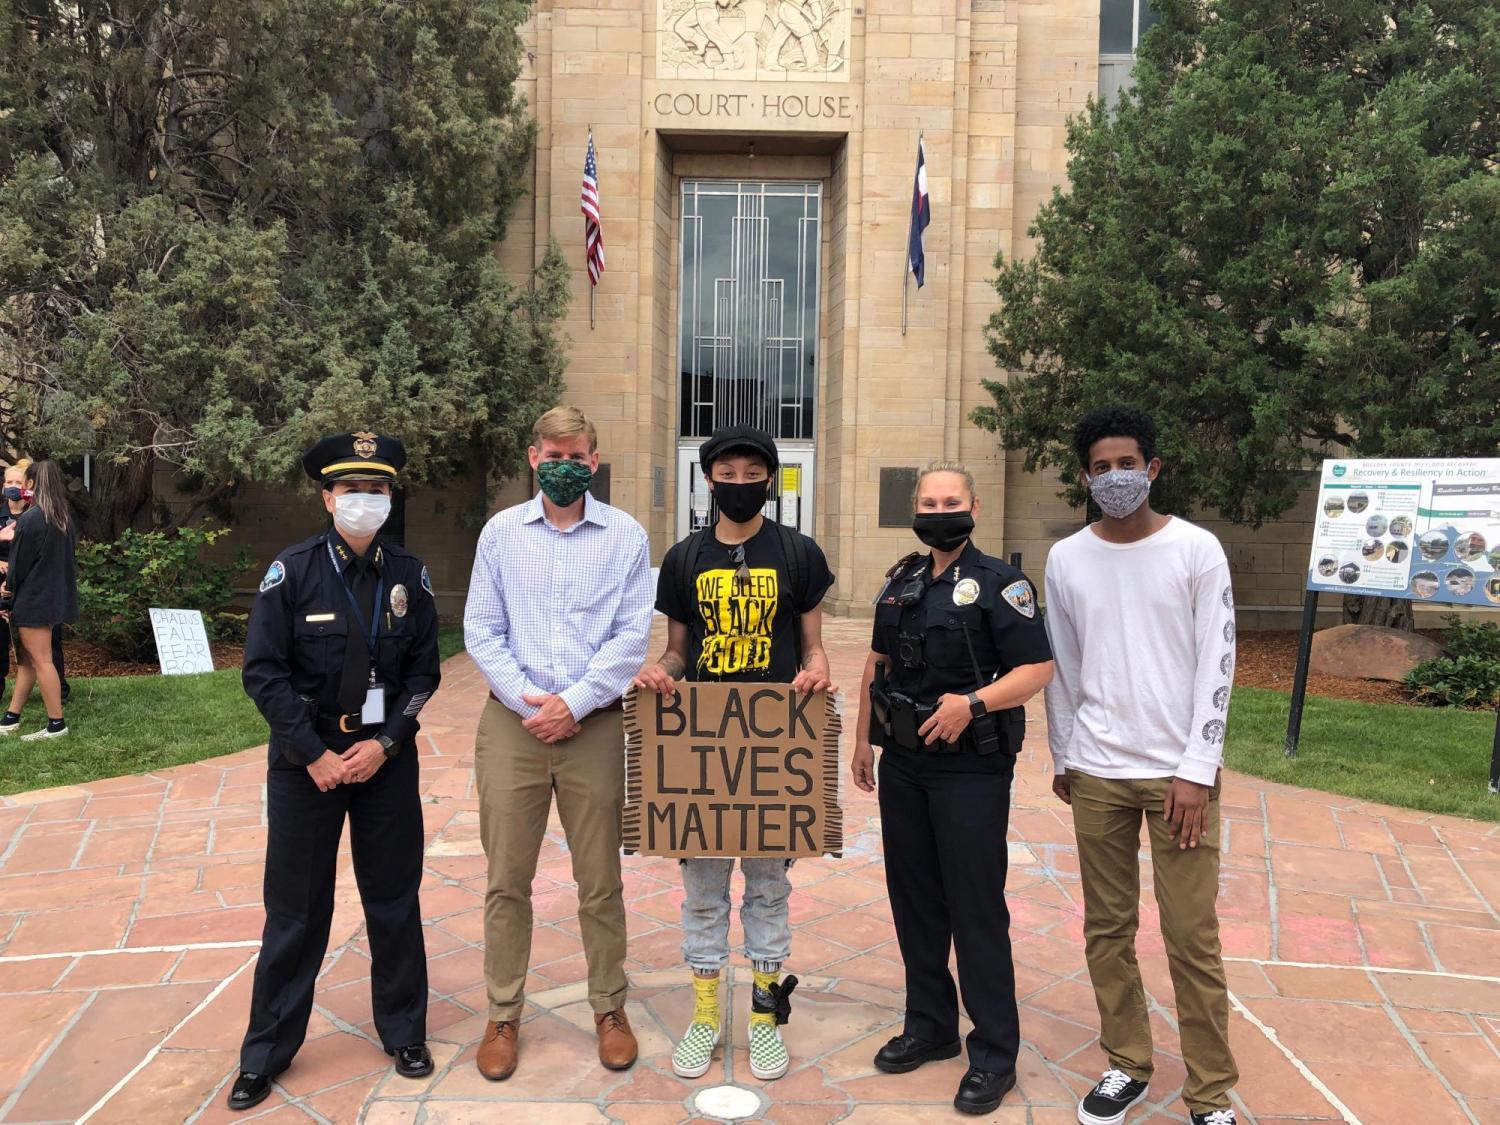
[957, 650]
[340, 657]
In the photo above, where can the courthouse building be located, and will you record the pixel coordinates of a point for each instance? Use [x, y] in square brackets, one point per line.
[755, 164]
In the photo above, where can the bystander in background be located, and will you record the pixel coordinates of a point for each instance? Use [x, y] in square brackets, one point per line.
[40, 593]
[16, 499]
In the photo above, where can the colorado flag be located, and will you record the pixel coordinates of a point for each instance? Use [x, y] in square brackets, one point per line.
[921, 215]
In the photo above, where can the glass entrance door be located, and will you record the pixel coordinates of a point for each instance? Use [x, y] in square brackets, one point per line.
[789, 501]
[748, 331]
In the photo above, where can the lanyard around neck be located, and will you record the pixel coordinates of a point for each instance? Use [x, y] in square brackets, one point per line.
[370, 631]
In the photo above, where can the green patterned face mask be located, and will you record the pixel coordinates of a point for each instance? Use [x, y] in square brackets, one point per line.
[563, 482]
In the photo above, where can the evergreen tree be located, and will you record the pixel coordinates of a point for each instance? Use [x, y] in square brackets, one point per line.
[1285, 239]
[228, 227]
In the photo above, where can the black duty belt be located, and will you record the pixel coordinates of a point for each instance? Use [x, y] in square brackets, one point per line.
[325, 722]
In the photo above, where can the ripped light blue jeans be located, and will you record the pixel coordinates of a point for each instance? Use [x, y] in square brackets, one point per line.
[763, 913]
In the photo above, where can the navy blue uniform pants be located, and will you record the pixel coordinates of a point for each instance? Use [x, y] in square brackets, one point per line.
[385, 835]
[943, 822]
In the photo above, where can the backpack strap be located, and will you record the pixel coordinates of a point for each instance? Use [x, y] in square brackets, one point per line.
[692, 547]
[799, 577]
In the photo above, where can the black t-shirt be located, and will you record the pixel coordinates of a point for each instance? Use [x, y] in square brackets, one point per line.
[741, 629]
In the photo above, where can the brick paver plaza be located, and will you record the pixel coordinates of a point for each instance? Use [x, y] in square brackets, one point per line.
[1364, 947]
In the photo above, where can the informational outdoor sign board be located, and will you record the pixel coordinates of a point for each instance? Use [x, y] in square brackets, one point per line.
[181, 642]
[1424, 529]
[732, 770]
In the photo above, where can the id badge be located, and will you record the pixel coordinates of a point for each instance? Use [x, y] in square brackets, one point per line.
[373, 712]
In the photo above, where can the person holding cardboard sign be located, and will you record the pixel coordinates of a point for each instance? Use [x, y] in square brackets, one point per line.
[958, 649]
[742, 600]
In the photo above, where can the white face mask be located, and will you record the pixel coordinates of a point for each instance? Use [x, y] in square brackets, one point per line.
[360, 513]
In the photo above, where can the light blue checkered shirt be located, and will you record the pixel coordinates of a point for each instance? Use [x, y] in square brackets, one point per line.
[560, 612]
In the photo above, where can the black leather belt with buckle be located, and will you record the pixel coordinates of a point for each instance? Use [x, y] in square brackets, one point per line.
[341, 724]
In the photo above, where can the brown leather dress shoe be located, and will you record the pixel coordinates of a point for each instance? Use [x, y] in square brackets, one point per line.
[497, 1052]
[617, 1046]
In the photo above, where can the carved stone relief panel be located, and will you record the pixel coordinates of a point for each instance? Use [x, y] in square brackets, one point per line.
[780, 40]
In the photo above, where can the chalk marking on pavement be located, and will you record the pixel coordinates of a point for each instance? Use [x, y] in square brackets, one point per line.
[156, 1050]
[1390, 970]
[18, 957]
[1312, 1079]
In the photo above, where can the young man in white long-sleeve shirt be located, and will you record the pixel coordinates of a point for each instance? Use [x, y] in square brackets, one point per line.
[1141, 619]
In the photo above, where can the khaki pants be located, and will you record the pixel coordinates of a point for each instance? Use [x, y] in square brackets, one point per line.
[517, 776]
[1107, 818]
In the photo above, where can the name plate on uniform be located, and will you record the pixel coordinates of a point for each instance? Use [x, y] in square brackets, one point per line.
[732, 770]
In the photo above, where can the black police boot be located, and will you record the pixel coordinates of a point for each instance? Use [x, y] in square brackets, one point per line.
[981, 1091]
[414, 1061]
[249, 1090]
[907, 1052]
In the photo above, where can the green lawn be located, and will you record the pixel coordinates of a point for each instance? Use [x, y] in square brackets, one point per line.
[134, 724]
[1429, 758]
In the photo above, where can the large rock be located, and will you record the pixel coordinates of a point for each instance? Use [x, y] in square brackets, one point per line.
[1370, 652]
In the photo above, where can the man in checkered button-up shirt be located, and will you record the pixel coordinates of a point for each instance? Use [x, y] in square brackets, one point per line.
[558, 617]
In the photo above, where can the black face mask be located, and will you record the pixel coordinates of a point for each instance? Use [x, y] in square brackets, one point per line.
[740, 503]
[943, 531]
[13, 493]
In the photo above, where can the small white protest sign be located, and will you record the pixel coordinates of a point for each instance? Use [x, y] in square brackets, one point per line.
[181, 642]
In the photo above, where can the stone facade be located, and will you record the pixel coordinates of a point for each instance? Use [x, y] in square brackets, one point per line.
[836, 93]
[832, 92]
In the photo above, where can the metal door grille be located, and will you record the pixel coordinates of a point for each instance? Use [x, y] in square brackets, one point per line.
[748, 320]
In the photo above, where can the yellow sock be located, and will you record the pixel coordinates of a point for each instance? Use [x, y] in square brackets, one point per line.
[706, 1000]
[763, 982]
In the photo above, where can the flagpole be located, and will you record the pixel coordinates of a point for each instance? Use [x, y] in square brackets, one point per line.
[591, 279]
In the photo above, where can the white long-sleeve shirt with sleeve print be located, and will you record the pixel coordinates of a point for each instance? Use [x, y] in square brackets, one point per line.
[1143, 643]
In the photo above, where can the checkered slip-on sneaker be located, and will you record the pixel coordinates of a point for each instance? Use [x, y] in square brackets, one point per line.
[768, 1057]
[695, 1050]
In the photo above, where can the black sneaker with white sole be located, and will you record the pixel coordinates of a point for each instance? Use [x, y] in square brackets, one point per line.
[1108, 1102]
[1215, 1117]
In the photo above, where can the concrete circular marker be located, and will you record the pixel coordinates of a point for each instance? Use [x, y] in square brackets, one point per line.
[727, 1102]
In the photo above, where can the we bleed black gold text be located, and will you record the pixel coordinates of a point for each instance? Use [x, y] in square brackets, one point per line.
[738, 614]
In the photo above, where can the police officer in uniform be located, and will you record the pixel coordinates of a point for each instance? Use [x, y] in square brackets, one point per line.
[958, 648]
[340, 658]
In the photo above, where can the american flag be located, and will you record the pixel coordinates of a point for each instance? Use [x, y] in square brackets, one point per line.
[593, 233]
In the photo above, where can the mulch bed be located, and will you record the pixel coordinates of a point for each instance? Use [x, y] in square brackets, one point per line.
[84, 659]
[1264, 659]
[1269, 660]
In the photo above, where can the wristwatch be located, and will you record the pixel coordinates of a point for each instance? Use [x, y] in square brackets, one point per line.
[387, 743]
[977, 709]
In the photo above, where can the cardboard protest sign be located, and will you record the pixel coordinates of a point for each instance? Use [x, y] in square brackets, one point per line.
[732, 770]
[181, 642]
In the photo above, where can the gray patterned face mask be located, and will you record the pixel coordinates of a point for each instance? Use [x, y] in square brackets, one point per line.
[1120, 491]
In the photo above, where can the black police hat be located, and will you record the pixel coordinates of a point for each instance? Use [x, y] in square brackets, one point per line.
[357, 456]
[738, 439]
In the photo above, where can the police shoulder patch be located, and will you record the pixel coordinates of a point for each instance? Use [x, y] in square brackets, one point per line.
[1020, 598]
[427, 583]
[275, 576]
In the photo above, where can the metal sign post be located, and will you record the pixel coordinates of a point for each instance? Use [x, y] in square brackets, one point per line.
[1299, 682]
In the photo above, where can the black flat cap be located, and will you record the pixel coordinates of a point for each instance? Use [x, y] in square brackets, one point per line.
[738, 439]
[357, 456]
